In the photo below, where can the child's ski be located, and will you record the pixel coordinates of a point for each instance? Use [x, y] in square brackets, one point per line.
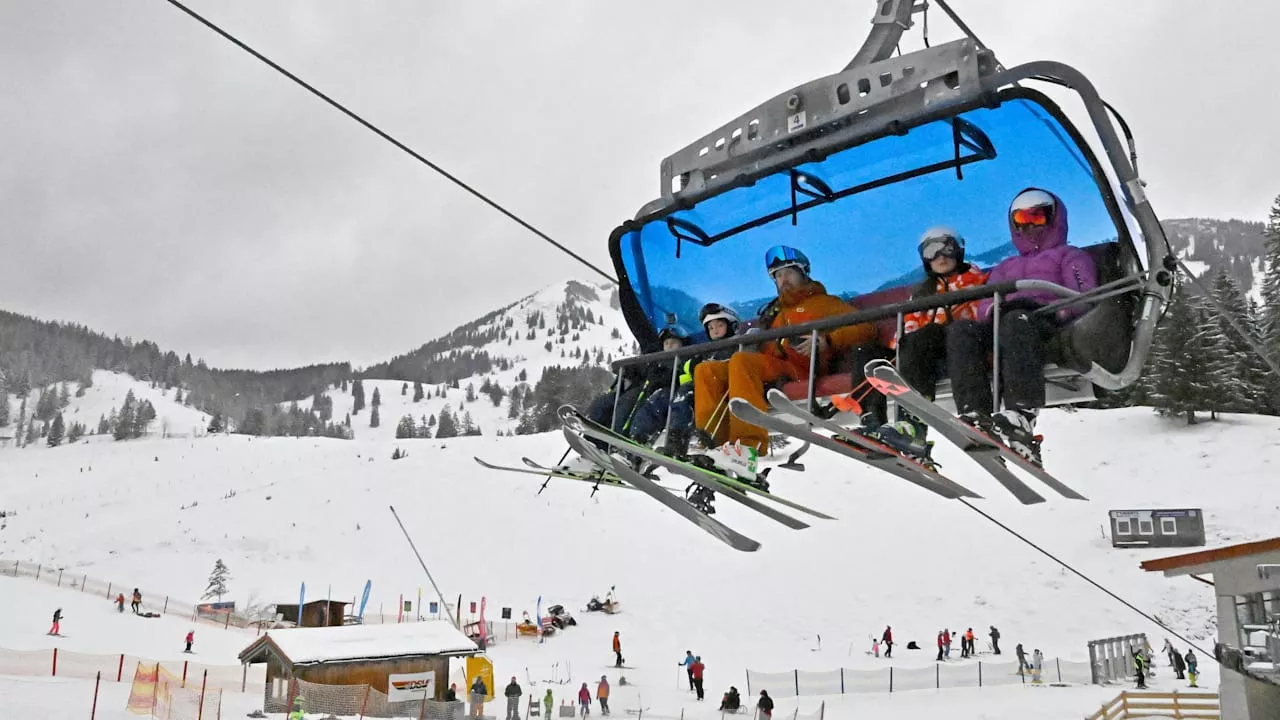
[722, 532]
[723, 483]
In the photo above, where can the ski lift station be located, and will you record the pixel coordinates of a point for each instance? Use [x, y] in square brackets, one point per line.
[1246, 580]
[1157, 528]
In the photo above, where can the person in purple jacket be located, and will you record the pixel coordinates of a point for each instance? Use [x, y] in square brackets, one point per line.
[1038, 224]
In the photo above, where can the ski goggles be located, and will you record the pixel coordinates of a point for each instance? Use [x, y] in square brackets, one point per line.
[1037, 216]
[781, 256]
[943, 245]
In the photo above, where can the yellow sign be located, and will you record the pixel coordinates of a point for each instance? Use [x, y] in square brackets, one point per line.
[482, 666]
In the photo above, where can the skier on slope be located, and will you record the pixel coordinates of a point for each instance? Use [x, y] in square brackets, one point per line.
[687, 662]
[1192, 672]
[617, 649]
[1038, 225]
[584, 700]
[602, 694]
[57, 622]
[800, 300]
[922, 352]
[887, 639]
[191, 638]
[512, 693]
[719, 322]
[995, 640]
[696, 669]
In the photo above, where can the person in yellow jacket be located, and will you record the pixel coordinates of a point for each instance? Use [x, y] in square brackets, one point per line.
[800, 300]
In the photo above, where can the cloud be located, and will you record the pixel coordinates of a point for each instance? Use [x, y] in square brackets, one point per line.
[159, 182]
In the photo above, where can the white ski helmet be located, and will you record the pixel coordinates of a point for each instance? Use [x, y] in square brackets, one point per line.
[716, 311]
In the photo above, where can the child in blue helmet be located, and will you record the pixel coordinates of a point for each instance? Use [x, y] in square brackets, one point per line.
[719, 322]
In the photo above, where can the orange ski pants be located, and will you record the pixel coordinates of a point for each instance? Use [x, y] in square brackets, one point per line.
[743, 375]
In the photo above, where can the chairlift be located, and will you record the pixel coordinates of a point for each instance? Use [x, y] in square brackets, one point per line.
[852, 167]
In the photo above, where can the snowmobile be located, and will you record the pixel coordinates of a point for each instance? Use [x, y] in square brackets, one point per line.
[560, 617]
[846, 166]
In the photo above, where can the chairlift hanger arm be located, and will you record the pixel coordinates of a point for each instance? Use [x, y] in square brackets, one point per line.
[892, 19]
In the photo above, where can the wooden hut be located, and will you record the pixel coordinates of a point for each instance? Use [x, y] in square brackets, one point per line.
[317, 613]
[355, 655]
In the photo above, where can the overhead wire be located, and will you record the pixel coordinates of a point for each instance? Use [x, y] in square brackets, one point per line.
[386, 136]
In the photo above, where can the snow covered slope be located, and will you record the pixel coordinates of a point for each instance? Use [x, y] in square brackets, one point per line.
[107, 394]
[568, 324]
[158, 513]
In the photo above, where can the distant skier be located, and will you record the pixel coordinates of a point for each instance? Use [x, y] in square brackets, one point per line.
[617, 649]
[1192, 673]
[946, 641]
[584, 700]
[942, 646]
[548, 703]
[1179, 665]
[191, 638]
[966, 643]
[1037, 665]
[995, 640]
[137, 601]
[887, 639]
[1022, 659]
[875, 647]
[602, 694]
[1140, 668]
[479, 691]
[765, 704]
[687, 662]
[57, 622]
[299, 711]
[451, 695]
[696, 670]
[120, 602]
[513, 693]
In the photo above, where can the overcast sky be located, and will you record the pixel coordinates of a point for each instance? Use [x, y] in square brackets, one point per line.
[158, 182]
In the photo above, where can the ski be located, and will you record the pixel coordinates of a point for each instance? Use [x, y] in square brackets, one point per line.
[601, 478]
[722, 483]
[848, 444]
[713, 527]
[990, 453]
[702, 477]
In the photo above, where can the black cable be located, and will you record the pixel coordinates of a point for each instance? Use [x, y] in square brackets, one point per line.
[380, 133]
[1086, 578]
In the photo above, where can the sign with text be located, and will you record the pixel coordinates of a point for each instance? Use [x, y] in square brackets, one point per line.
[411, 686]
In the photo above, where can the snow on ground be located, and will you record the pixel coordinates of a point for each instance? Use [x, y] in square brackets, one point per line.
[158, 513]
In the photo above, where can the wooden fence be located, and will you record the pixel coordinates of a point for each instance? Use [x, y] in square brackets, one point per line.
[1188, 705]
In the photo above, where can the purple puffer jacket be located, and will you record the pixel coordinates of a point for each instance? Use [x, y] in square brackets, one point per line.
[1043, 254]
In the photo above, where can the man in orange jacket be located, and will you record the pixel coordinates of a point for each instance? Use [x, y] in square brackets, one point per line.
[800, 300]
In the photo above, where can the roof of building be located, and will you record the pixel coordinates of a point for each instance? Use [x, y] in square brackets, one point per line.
[302, 646]
[1205, 557]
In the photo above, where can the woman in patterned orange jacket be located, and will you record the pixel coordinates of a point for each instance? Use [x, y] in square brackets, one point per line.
[922, 350]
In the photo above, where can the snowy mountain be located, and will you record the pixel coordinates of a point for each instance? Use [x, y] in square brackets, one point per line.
[1208, 245]
[156, 513]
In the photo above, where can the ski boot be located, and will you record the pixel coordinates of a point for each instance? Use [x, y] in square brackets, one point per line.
[1016, 430]
[908, 437]
[977, 420]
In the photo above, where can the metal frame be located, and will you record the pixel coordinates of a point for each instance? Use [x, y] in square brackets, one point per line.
[877, 95]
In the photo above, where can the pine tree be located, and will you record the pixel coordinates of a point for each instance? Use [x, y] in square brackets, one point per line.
[64, 395]
[469, 426]
[217, 581]
[104, 426]
[1179, 381]
[357, 396]
[417, 391]
[377, 398]
[123, 428]
[215, 424]
[1269, 315]
[424, 430]
[4, 402]
[374, 420]
[145, 415]
[75, 432]
[1241, 374]
[56, 431]
[405, 428]
[447, 427]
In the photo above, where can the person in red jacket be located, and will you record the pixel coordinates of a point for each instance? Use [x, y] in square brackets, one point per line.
[696, 671]
[922, 351]
[191, 638]
[887, 639]
[617, 650]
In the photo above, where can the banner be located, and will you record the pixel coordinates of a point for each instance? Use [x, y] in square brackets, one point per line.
[480, 665]
[215, 611]
[302, 597]
[411, 686]
[364, 599]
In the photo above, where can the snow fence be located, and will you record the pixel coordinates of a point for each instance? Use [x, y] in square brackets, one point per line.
[120, 668]
[847, 681]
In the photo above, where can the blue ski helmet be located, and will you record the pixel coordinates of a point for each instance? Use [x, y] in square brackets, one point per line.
[673, 331]
[781, 256]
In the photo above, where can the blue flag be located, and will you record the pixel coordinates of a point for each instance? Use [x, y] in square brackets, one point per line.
[302, 597]
[539, 616]
[364, 599]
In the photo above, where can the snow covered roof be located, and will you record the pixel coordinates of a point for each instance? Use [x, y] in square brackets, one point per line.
[303, 646]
